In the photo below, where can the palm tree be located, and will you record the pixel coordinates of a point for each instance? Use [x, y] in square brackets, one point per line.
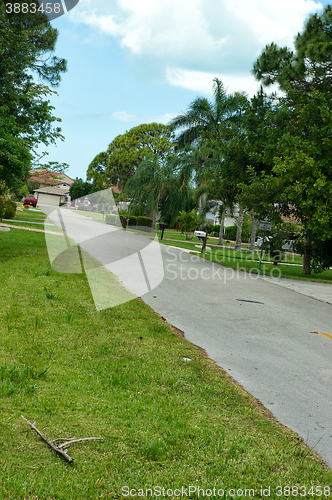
[204, 117]
[153, 182]
[204, 120]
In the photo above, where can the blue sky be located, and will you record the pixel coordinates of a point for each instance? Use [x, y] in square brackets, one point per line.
[143, 61]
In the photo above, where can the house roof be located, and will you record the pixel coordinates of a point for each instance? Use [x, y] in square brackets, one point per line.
[58, 191]
[115, 188]
[49, 178]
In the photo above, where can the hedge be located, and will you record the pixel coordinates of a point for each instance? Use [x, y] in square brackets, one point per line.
[133, 221]
[144, 221]
[230, 233]
[112, 219]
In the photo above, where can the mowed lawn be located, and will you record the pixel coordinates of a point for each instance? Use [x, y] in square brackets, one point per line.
[121, 374]
[290, 266]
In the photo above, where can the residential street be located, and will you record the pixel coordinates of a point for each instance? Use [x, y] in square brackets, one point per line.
[261, 334]
[257, 331]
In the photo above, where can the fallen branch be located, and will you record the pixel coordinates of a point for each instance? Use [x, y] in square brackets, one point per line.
[73, 440]
[52, 443]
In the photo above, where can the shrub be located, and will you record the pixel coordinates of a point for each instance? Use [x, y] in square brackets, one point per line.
[208, 228]
[7, 208]
[2, 207]
[188, 221]
[112, 219]
[144, 222]
[230, 232]
[216, 230]
[123, 221]
[133, 220]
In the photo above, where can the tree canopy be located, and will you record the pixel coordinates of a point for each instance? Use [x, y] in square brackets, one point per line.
[309, 67]
[128, 150]
[204, 117]
[80, 188]
[26, 116]
[299, 183]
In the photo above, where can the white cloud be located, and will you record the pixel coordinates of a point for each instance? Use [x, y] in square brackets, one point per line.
[123, 116]
[185, 42]
[203, 82]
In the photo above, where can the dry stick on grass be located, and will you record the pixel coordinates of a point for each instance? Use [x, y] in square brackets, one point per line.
[59, 449]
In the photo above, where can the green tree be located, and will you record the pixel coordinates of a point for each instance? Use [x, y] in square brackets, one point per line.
[299, 183]
[40, 41]
[188, 221]
[96, 172]
[80, 188]
[127, 151]
[206, 125]
[26, 118]
[203, 116]
[250, 143]
[152, 182]
[309, 67]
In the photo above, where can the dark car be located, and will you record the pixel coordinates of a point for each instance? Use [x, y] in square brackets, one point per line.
[30, 200]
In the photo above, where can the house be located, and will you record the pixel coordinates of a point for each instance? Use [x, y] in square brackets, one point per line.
[52, 195]
[46, 178]
[231, 216]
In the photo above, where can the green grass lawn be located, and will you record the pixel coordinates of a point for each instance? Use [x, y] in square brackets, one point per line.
[28, 218]
[290, 267]
[172, 234]
[120, 374]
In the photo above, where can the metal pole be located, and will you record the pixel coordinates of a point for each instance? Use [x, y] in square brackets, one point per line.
[260, 260]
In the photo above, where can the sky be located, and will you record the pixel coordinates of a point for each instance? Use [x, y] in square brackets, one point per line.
[142, 61]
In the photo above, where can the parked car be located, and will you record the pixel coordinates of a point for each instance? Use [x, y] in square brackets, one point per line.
[287, 242]
[30, 200]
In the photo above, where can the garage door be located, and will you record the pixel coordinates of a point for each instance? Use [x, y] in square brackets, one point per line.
[48, 199]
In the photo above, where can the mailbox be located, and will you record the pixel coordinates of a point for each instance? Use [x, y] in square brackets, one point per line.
[200, 234]
[162, 226]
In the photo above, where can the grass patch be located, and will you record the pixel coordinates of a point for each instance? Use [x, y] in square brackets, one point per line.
[120, 374]
[20, 378]
[290, 267]
[28, 218]
[170, 234]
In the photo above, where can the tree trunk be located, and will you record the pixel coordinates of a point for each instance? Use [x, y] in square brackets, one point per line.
[239, 229]
[306, 256]
[222, 224]
[254, 223]
[221, 230]
[154, 220]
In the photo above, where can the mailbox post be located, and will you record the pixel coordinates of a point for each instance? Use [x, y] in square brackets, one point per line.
[202, 235]
[264, 225]
[162, 226]
[126, 218]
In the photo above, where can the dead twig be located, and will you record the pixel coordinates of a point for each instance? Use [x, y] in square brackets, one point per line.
[71, 441]
[52, 443]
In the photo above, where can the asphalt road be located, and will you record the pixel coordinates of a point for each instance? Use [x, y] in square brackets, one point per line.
[261, 334]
